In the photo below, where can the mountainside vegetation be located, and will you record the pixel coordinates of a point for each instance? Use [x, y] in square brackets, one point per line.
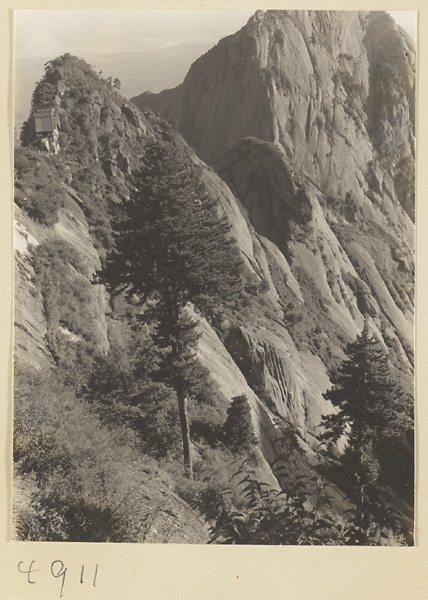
[171, 249]
[221, 354]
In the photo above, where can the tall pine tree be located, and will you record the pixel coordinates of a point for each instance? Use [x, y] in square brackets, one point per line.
[370, 405]
[173, 248]
[365, 393]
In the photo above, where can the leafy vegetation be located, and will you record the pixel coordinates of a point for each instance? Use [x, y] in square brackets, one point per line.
[275, 517]
[37, 186]
[306, 516]
[238, 430]
[61, 275]
[76, 479]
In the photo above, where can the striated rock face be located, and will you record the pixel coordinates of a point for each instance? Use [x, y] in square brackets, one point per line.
[31, 326]
[317, 221]
[334, 89]
[331, 244]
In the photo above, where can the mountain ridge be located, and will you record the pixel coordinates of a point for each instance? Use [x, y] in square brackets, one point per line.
[253, 84]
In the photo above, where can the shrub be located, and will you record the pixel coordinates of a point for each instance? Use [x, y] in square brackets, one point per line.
[269, 516]
[37, 187]
[61, 274]
[238, 432]
[75, 479]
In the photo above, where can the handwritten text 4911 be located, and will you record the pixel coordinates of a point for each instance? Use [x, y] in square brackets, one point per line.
[58, 570]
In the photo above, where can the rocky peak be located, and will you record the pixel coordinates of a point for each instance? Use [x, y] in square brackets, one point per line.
[317, 83]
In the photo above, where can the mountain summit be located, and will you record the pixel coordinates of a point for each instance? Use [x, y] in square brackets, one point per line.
[323, 85]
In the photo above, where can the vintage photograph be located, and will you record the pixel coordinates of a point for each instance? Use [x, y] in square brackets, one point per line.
[214, 277]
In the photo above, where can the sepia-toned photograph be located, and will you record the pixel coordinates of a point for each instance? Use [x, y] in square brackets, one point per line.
[214, 222]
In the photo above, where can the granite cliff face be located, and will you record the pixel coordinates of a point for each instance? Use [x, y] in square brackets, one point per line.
[308, 121]
[332, 88]
[98, 143]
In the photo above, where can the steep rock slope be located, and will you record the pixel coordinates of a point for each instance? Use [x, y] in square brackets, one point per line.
[309, 118]
[31, 319]
[98, 124]
[333, 88]
[318, 260]
[67, 197]
[330, 245]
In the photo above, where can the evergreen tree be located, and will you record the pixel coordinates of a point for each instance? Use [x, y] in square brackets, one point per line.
[238, 430]
[122, 386]
[369, 405]
[365, 392]
[172, 248]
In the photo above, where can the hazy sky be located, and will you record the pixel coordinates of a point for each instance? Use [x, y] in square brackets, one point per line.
[407, 20]
[42, 31]
[37, 31]
[145, 49]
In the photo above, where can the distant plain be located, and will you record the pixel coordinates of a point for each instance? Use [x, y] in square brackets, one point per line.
[145, 50]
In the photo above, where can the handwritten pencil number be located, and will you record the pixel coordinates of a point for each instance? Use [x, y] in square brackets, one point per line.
[29, 572]
[60, 572]
[82, 572]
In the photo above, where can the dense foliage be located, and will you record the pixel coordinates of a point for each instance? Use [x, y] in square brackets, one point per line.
[37, 186]
[368, 399]
[238, 429]
[76, 479]
[61, 275]
[172, 243]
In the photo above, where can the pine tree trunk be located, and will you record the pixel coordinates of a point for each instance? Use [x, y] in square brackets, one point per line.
[177, 349]
[185, 433]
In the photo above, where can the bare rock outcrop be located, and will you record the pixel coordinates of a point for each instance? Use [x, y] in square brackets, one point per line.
[333, 248]
[317, 83]
[32, 328]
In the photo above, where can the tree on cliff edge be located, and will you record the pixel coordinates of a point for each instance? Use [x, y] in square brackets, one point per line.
[172, 249]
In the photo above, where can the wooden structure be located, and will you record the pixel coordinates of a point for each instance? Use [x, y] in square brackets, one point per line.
[46, 120]
[45, 126]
